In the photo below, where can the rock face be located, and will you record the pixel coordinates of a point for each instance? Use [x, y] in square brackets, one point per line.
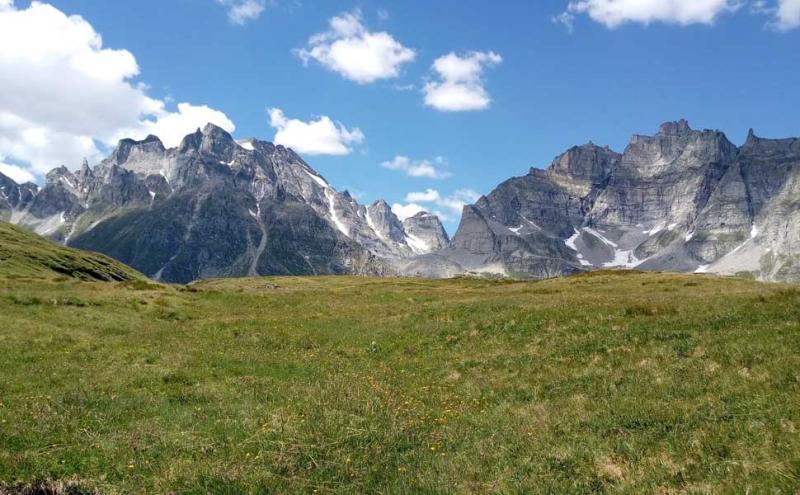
[214, 207]
[682, 200]
[425, 233]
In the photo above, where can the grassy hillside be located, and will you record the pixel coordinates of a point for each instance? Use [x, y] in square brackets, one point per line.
[614, 382]
[24, 254]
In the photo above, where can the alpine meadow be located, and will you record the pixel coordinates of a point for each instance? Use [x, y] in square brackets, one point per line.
[356, 247]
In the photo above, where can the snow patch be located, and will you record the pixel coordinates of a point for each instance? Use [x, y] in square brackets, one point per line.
[256, 214]
[623, 258]
[332, 210]
[50, 224]
[68, 182]
[601, 237]
[248, 145]
[417, 245]
[374, 227]
[94, 224]
[532, 224]
[702, 269]
[689, 236]
[319, 180]
[571, 241]
[655, 230]
[516, 230]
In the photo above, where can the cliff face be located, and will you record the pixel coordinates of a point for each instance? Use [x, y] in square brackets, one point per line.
[681, 200]
[214, 207]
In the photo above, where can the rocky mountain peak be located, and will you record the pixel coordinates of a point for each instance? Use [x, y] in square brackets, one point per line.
[191, 142]
[381, 204]
[425, 233]
[588, 162]
[675, 128]
[57, 175]
[127, 147]
[385, 223]
[215, 207]
[216, 140]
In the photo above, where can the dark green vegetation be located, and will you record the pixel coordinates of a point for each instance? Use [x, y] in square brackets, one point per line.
[614, 382]
[23, 254]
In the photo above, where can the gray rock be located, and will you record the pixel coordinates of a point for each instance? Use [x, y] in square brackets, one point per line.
[211, 207]
[682, 200]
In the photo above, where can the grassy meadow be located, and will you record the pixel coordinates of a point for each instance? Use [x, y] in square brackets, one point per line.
[612, 382]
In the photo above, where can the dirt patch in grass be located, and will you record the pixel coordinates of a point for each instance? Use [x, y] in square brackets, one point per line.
[55, 488]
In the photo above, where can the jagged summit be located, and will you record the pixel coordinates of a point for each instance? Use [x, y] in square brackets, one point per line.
[682, 200]
[676, 127]
[214, 207]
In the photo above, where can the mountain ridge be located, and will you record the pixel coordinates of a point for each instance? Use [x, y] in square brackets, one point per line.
[214, 207]
[679, 200]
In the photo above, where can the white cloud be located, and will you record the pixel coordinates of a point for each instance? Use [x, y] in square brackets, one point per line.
[406, 211]
[316, 137]
[172, 127]
[427, 196]
[423, 168]
[357, 54]
[450, 207]
[613, 13]
[460, 86]
[63, 95]
[15, 173]
[566, 19]
[788, 15]
[242, 11]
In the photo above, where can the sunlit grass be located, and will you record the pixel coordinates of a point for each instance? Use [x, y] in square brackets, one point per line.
[614, 382]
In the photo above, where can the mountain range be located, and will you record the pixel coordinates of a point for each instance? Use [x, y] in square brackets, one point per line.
[680, 200]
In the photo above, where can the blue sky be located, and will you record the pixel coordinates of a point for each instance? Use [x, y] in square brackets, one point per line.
[612, 68]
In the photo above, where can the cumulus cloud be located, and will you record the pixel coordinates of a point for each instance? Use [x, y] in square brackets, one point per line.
[788, 15]
[447, 208]
[15, 173]
[322, 136]
[406, 211]
[426, 196]
[354, 52]
[172, 127]
[63, 96]
[613, 13]
[422, 168]
[460, 85]
[242, 11]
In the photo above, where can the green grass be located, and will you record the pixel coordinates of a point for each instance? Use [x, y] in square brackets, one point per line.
[26, 255]
[613, 382]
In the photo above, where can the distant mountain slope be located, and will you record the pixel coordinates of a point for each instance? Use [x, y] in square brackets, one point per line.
[681, 200]
[214, 207]
[23, 254]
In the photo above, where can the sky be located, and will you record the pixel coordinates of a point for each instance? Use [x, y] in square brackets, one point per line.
[425, 104]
